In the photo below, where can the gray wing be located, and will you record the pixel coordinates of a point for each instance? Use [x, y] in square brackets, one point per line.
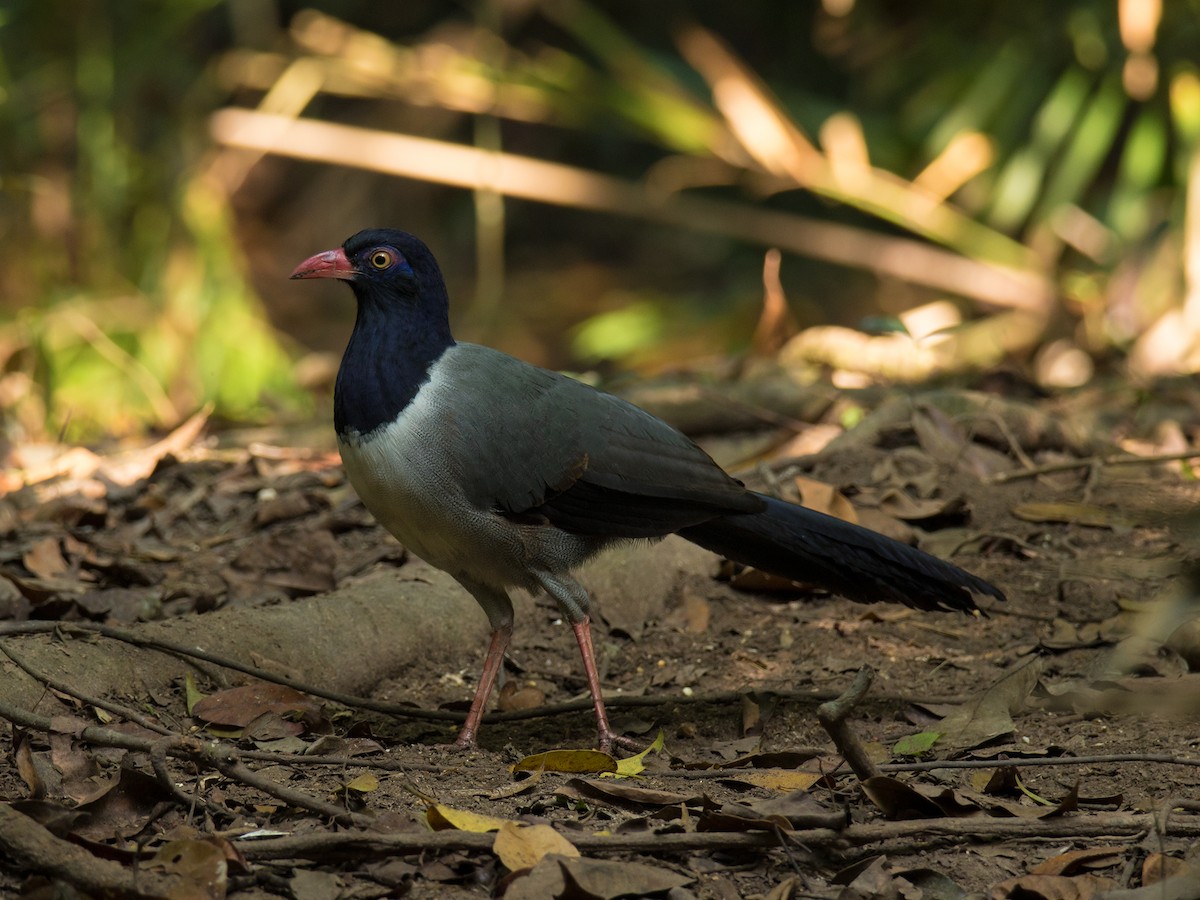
[582, 460]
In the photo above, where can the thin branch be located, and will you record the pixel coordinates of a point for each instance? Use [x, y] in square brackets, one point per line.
[1090, 462]
[57, 684]
[207, 753]
[410, 712]
[25, 845]
[532, 179]
[833, 715]
[958, 830]
[1165, 759]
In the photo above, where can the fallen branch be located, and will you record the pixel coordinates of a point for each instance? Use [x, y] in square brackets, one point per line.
[444, 162]
[958, 830]
[832, 716]
[208, 754]
[57, 684]
[26, 846]
[1091, 462]
[410, 712]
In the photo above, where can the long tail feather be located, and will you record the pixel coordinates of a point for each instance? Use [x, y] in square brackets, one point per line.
[811, 547]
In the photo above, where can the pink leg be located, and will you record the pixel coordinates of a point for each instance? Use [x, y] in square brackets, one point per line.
[487, 681]
[583, 634]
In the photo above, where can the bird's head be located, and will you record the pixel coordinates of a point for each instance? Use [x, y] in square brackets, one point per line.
[381, 265]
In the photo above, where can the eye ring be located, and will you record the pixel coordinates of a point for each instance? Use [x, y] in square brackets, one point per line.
[381, 258]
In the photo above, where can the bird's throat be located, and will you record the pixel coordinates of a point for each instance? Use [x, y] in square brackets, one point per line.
[385, 364]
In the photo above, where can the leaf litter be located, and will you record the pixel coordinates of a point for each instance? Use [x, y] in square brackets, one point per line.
[1083, 558]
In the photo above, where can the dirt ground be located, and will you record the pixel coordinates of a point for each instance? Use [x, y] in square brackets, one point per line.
[1065, 717]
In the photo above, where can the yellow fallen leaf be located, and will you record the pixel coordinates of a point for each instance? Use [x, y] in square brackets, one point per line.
[567, 761]
[443, 818]
[1075, 514]
[523, 846]
[635, 765]
[783, 780]
[364, 783]
[193, 694]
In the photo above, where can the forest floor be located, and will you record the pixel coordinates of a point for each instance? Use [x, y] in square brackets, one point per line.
[1047, 750]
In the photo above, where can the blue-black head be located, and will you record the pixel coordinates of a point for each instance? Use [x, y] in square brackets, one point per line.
[387, 269]
[401, 330]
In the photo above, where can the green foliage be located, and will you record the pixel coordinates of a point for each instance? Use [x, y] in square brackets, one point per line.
[123, 299]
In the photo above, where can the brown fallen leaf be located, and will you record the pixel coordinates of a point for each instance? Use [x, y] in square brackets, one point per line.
[902, 505]
[943, 439]
[1053, 887]
[824, 497]
[45, 559]
[200, 866]
[1076, 514]
[1074, 861]
[692, 613]
[607, 879]
[625, 795]
[515, 695]
[796, 809]
[989, 715]
[238, 707]
[524, 846]
[124, 807]
[899, 801]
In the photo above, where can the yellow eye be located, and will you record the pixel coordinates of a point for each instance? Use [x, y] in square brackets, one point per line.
[381, 259]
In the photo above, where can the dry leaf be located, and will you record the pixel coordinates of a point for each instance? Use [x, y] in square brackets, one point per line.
[989, 715]
[442, 818]
[1073, 861]
[524, 846]
[1053, 887]
[825, 498]
[519, 696]
[45, 560]
[574, 761]
[238, 707]
[201, 868]
[1075, 514]
[779, 779]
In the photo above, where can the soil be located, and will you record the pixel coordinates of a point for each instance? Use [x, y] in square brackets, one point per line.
[1083, 660]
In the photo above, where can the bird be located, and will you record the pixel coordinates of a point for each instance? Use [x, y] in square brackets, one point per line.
[506, 475]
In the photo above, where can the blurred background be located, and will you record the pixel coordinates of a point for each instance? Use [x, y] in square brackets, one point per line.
[950, 188]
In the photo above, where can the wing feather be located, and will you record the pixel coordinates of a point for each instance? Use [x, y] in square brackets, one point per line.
[586, 461]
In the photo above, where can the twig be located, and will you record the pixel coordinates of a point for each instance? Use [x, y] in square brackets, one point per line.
[218, 756]
[231, 767]
[1091, 462]
[958, 830]
[158, 761]
[1007, 433]
[177, 649]
[1158, 758]
[409, 712]
[533, 179]
[27, 846]
[62, 687]
[832, 716]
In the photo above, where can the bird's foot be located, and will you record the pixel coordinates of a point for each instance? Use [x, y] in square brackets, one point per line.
[454, 747]
[465, 741]
[609, 739]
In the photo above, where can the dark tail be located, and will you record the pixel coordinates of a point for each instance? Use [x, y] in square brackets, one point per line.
[811, 547]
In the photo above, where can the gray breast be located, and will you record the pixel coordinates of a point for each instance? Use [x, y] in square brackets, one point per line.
[410, 475]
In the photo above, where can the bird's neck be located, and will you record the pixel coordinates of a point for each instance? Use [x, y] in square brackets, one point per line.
[387, 361]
